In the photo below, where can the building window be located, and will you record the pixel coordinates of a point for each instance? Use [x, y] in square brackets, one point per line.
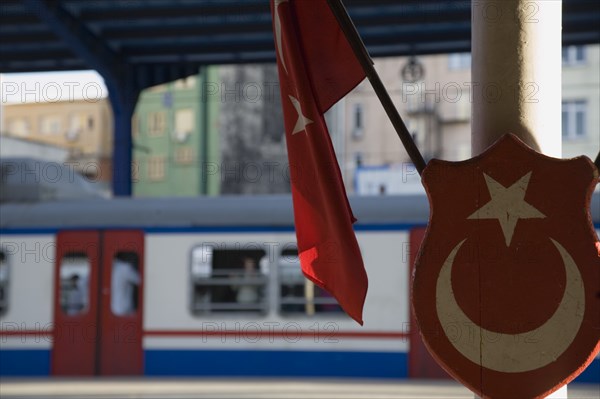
[358, 121]
[3, 283]
[156, 123]
[298, 295]
[157, 168]
[574, 116]
[135, 171]
[135, 125]
[19, 127]
[74, 284]
[76, 123]
[50, 125]
[573, 55]
[184, 124]
[358, 159]
[459, 61]
[228, 280]
[184, 155]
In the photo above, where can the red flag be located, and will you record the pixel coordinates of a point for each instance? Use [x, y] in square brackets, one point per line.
[316, 69]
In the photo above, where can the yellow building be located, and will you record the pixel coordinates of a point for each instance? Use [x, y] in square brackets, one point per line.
[84, 128]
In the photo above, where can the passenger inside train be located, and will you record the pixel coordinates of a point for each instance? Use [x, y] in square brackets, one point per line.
[125, 281]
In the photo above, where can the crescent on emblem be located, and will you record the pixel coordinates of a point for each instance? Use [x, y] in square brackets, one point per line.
[512, 353]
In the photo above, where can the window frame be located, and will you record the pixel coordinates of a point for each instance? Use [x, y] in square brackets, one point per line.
[358, 121]
[51, 125]
[156, 168]
[311, 309]
[184, 155]
[85, 288]
[157, 123]
[570, 55]
[460, 61]
[19, 122]
[224, 309]
[572, 108]
[186, 117]
[132, 258]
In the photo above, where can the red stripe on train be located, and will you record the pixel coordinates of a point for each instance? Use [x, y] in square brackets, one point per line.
[253, 332]
[291, 332]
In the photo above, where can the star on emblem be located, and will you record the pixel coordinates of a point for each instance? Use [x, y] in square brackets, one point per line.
[303, 121]
[508, 205]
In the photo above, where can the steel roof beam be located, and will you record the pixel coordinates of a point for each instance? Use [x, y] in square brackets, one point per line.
[39, 54]
[43, 65]
[160, 27]
[92, 49]
[79, 6]
[264, 41]
[27, 39]
[363, 16]
[17, 19]
[23, 29]
[145, 9]
[205, 58]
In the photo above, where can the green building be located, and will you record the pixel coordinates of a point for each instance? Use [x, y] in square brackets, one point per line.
[176, 138]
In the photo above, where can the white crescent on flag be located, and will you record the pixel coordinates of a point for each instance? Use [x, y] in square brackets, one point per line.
[278, 39]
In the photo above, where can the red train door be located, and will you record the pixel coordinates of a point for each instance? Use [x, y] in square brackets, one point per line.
[420, 363]
[98, 303]
[121, 303]
[76, 280]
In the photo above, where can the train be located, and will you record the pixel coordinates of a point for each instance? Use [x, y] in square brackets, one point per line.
[215, 290]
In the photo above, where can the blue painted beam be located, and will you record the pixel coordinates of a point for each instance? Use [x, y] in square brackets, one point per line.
[110, 10]
[78, 38]
[122, 144]
[96, 53]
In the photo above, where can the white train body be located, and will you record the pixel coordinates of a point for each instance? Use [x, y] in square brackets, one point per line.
[179, 326]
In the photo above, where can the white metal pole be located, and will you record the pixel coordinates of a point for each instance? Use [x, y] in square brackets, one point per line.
[516, 47]
[516, 73]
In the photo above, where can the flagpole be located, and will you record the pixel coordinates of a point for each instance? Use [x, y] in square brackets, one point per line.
[361, 53]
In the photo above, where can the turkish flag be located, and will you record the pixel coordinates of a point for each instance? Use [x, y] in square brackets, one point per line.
[316, 69]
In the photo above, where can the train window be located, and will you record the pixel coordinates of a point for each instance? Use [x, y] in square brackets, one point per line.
[3, 283]
[74, 283]
[228, 280]
[124, 284]
[298, 294]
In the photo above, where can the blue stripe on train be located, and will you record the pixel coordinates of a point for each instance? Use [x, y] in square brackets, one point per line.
[18, 362]
[276, 363]
[24, 362]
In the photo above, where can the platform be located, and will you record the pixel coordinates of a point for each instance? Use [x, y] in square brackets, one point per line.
[246, 389]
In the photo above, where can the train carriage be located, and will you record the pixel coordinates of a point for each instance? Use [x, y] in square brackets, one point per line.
[219, 291]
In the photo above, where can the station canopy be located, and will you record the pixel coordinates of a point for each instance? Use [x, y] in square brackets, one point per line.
[135, 44]
[162, 40]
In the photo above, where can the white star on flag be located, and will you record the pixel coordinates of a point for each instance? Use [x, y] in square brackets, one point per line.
[303, 121]
[508, 205]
